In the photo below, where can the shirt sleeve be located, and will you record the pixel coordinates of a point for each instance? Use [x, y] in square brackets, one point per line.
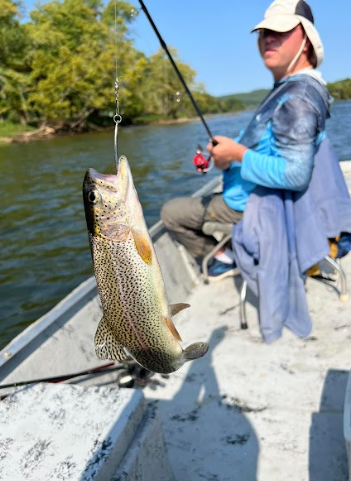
[293, 132]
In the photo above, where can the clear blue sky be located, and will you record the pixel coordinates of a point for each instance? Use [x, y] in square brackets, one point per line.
[213, 37]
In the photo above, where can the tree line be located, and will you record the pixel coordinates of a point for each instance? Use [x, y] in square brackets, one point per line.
[58, 69]
[340, 90]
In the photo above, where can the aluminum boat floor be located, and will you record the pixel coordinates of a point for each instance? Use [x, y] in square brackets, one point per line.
[249, 411]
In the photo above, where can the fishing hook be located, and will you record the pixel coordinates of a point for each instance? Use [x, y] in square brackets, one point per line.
[117, 118]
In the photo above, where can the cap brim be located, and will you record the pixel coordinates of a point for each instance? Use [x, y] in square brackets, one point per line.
[284, 23]
[278, 23]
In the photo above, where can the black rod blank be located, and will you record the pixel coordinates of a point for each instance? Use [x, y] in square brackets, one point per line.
[181, 78]
[97, 370]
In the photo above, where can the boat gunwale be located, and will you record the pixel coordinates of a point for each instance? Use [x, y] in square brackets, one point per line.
[88, 287]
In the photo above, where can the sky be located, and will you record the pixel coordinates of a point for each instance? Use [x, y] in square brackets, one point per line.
[214, 38]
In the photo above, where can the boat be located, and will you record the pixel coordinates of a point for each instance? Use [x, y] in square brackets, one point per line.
[245, 411]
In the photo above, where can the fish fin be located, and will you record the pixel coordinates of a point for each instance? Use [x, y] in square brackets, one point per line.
[175, 308]
[106, 345]
[143, 245]
[172, 328]
[196, 350]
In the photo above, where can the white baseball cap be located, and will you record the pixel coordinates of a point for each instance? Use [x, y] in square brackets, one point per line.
[284, 15]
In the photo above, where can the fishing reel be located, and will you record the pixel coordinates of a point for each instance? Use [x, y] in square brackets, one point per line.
[202, 164]
[135, 376]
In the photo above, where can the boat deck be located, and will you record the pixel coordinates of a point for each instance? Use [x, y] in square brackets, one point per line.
[257, 412]
[247, 411]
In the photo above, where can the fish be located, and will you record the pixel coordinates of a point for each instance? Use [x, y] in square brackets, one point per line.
[137, 316]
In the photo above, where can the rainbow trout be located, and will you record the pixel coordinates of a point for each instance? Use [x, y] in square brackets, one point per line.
[137, 317]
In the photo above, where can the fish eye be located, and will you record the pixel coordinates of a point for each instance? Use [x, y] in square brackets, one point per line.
[93, 197]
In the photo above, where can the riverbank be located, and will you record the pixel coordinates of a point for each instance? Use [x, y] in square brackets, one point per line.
[30, 135]
[44, 133]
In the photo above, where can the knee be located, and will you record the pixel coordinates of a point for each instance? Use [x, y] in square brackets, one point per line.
[169, 213]
[173, 213]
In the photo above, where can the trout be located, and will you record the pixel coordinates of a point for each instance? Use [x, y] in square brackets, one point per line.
[137, 317]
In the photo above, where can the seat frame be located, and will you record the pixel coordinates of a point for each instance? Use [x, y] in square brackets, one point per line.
[225, 230]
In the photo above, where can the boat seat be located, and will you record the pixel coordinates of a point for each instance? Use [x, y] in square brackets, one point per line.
[221, 232]
[224, 231]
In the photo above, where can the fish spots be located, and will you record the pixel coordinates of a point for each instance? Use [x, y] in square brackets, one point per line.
[105, 209]
[106, 342]
[130, 303]
[136, 311]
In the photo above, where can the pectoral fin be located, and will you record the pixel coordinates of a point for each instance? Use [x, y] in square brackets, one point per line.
[172, 328]
[106, 345]
[143, 245]
[175, 308]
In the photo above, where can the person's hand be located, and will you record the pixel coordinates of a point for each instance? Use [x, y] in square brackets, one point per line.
[225, 152]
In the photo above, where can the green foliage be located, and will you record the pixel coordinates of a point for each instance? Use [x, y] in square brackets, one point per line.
[59, 68]
[231, 104]
[249, 99]
[159, 85]
[14, 70]
[9, 129]
[72, 65]
[340, 90]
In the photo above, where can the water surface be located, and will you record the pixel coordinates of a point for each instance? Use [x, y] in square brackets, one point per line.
[44, 249]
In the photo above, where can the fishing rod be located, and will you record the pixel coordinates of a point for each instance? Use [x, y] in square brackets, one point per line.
[200, 162]
[65, 377]
[132, 375]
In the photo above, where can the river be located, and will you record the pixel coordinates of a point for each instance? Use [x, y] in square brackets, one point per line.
[44, 249]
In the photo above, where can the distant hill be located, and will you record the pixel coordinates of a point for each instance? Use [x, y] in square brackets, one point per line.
[249, 99]
[340, 90]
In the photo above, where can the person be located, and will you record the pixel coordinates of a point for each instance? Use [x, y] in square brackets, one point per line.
[277, 148]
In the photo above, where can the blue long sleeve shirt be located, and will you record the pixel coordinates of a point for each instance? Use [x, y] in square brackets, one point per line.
[282, 140]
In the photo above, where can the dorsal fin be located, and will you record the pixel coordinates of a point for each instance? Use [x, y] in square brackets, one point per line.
[106, 344]
[172, 328]
[175, 308]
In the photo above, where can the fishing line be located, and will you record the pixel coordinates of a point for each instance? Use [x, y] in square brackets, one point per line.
[117, 118]
[180, 76]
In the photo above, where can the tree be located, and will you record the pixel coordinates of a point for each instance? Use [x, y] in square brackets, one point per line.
[59, 68]
[74, 59]
[162, 90]
[340, 90]
[14, 70]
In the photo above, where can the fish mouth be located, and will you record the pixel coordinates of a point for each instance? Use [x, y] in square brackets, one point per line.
[120, 183]
[107, 203]
[105, 181]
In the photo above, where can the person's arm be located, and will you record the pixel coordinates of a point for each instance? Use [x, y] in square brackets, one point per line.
[294, 129]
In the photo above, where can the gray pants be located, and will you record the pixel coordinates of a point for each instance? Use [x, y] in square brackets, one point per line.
[185, 216]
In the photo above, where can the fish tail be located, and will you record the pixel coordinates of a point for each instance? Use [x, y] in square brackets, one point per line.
[194, 351]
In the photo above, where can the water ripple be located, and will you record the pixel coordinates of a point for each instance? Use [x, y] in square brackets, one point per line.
[44, 249]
